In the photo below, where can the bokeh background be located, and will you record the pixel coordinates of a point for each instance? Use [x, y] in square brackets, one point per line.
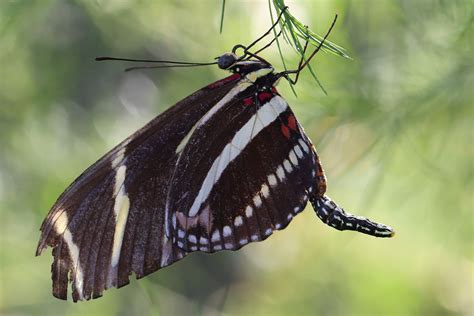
[395, 135]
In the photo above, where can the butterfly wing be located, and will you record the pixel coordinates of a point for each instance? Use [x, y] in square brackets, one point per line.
[110, 221]
[255, 176]
[226, 166]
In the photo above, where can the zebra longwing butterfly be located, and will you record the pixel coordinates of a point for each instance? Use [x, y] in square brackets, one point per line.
[224, 167]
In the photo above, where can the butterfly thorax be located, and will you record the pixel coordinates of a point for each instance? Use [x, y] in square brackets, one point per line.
[257, 72]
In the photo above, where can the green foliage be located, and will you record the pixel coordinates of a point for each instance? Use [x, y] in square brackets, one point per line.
[294, 31]
[394, 134]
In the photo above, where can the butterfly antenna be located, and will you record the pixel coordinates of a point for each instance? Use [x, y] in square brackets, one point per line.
[168, 63]
[246, 48]
[152, 61]
[301, 60]
[170, 66]
[269, 44]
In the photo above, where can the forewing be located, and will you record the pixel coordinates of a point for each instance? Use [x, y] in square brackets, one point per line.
[110, 221]
[245, 173]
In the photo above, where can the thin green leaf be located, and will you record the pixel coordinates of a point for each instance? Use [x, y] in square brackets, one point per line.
[313, 74]
[300, 50]
[222, 16]
[298, 29]
[278, 45]
[293, 30]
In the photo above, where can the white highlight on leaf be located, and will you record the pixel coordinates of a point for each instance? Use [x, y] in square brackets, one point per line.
[60, 227]
[262, 118]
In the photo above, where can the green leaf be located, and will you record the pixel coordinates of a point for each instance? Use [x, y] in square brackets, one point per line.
[222, 16]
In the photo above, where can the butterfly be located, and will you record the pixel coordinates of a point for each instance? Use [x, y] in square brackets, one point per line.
[226, 166]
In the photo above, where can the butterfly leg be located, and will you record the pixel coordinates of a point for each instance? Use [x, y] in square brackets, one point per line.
[336, 217]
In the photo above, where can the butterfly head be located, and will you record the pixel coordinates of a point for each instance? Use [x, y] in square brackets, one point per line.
[230, 61]
[226, 60]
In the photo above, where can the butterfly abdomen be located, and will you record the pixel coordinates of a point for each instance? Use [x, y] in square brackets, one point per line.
[333, 215]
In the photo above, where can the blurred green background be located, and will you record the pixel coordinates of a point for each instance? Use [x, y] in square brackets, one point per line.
[395, 135]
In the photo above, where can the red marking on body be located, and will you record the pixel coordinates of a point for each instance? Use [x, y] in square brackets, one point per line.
[274, 90]
[265, 96]
[248, 101]
[285, 130]
[222, 82]
[292, 122]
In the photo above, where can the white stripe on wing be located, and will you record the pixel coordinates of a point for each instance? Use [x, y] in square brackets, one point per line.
[265, 115]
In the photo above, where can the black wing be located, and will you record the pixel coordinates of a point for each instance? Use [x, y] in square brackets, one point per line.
[255, 175]
[246, 173]
[110, 221]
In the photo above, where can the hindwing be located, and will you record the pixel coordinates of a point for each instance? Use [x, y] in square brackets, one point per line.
[110, 221]
[245, 173]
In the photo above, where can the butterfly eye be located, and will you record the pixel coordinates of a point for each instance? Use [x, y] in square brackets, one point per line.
[226, 60]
